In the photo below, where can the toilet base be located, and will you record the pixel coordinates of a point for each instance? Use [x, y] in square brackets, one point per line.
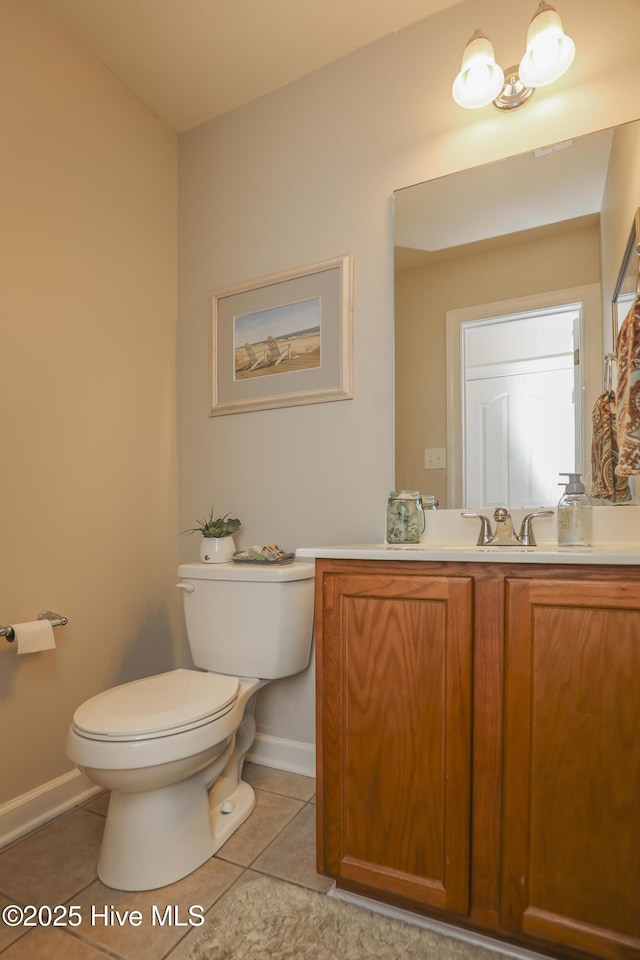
[150, 842]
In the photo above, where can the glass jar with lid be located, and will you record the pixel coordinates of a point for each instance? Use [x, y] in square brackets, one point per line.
[405, 517]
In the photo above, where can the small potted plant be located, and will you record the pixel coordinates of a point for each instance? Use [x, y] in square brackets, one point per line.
[217, 544]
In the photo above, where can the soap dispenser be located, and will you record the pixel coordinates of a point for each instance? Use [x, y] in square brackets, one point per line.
[574, 514]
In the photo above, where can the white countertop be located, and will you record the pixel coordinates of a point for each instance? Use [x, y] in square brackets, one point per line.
[449, 536]
[613, 553]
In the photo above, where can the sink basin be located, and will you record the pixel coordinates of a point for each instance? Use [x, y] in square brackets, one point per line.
[449, 547]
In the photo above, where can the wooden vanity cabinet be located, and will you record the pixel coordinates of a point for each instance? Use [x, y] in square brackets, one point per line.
[479, 746]
[571, 837]
[395, 692]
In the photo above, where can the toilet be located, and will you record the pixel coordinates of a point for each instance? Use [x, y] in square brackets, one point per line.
[170, 747]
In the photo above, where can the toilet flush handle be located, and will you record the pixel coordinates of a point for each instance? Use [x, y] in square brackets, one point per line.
[187, 587]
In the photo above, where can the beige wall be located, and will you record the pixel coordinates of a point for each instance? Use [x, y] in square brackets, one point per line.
[88, 508]
[422, 297]
[308, 173]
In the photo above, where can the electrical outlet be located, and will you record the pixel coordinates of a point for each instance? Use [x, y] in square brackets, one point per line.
[435, 458]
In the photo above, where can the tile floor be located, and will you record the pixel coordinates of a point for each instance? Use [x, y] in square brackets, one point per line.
[56, 865]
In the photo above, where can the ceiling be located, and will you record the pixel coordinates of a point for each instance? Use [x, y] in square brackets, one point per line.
[192, 60]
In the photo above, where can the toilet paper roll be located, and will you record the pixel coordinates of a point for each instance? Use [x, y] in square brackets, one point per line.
[34, 636]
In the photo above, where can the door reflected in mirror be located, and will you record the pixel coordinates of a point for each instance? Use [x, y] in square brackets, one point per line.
[540, 231]
[520, 419]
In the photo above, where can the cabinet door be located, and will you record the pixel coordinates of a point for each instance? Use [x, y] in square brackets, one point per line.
[395, 682]
[571, 829]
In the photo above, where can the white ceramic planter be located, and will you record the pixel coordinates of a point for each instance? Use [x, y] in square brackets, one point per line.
[217, 549]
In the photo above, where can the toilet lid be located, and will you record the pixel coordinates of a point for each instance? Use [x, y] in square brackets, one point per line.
[157, 706]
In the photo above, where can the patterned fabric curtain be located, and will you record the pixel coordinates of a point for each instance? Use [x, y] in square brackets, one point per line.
[628, 393]
[606, 485]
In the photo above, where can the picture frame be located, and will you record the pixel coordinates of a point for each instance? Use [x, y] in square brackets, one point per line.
[284, 339]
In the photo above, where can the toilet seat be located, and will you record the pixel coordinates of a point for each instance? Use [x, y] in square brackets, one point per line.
[158, 706]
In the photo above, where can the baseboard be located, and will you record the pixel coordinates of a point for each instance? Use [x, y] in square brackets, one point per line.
[290, 755]
[30, 810]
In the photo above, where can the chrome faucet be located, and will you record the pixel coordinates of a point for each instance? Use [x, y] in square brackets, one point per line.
[505, 535]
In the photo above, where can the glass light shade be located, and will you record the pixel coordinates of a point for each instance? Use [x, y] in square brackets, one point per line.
[480, 79]
[550, 51]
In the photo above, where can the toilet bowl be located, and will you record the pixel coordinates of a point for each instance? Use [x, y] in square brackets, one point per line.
[159, 767]
[170, 747]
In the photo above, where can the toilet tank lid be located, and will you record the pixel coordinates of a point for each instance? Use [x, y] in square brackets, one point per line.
[296, 570]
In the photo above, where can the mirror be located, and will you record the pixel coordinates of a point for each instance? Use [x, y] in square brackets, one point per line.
[488, 263]
[627, 282]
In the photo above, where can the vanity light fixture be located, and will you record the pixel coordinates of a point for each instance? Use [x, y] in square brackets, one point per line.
[481, 81]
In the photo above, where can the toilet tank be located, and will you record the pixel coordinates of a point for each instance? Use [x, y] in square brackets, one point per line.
[249, 621]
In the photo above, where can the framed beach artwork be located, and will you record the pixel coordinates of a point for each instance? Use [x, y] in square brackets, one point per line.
[283, 340]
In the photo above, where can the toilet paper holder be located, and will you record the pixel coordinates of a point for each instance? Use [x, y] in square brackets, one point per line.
[56, 621]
